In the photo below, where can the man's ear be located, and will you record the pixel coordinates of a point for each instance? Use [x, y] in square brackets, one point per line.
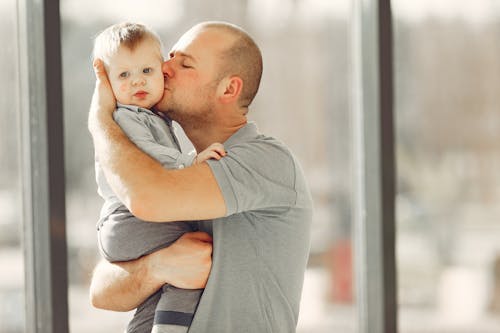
[229, 89]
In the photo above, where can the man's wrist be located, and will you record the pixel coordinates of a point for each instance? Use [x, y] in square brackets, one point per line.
[151, 268]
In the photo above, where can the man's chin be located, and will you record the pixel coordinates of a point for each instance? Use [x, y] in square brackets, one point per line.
[160, 107]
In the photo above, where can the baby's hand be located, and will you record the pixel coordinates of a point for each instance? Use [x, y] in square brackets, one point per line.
[215, 151]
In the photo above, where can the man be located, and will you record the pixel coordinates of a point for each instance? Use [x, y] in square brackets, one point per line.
[256, 195]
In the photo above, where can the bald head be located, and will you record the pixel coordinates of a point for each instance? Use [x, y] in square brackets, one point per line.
[241, 57]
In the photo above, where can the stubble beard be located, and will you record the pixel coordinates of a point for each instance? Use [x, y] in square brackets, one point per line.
[192, 116]
[189, 117]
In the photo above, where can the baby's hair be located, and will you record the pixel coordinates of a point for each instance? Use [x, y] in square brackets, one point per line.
[125, 34]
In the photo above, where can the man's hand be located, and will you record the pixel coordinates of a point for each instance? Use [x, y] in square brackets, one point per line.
[185, 264]
[122, 286]
[215, 151]
[103, 99]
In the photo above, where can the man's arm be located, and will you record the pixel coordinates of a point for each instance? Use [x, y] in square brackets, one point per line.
[148, 190]
[123, 286]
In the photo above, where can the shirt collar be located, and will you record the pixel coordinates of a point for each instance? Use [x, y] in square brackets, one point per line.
[130, 107]
[246, 133]
[136, 108]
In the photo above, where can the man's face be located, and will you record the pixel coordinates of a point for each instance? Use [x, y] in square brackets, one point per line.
[136, 76]
[191, 77]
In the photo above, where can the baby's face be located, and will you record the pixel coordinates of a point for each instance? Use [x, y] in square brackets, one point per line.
[136, 76]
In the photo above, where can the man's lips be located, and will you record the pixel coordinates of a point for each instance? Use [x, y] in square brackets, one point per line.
[141, 94]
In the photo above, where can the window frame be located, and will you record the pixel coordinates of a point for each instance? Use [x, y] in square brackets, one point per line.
[43, 183]
[374, 166]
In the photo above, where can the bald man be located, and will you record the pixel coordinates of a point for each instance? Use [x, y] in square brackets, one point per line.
[252, 250]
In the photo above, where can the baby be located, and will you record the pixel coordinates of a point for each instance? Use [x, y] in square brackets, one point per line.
[133, 60]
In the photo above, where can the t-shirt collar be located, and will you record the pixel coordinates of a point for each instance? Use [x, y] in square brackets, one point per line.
[130, 107]
[136, 108]
[246, 133]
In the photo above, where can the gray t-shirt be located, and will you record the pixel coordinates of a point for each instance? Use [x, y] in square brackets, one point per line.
[260, 248]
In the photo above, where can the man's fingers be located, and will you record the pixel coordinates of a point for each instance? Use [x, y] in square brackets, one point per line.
[103, 98]
[99, 71]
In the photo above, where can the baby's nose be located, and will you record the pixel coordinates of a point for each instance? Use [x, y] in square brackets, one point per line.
[139, 80]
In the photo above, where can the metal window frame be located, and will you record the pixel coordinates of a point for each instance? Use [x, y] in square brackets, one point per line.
[44, 213]
[374, 166]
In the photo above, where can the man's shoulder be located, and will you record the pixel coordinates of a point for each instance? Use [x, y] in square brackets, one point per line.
[260, 163]
[264, 153]
[261, 145]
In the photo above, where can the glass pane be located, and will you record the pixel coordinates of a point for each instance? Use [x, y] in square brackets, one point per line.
[303, 101]
[448, 132]
[12, 313]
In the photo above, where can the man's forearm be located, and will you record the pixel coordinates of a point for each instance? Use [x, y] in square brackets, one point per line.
[121, 286]
[119, 157]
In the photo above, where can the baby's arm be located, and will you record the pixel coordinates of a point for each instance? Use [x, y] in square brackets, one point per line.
[215, 151]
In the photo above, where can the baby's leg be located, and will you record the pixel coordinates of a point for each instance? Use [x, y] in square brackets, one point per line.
[175, 310]
[142, 321]
[123, 237]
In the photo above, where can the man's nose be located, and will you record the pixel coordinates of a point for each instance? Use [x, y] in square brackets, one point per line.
[167, 69]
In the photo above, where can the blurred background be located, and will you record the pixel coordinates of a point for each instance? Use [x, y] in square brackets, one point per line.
[447, 101]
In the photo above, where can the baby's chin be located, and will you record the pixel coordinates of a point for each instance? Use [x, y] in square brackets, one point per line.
[148, 106]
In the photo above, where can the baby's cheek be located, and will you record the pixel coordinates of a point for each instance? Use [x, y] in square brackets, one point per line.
[123, 87]
[121, 92]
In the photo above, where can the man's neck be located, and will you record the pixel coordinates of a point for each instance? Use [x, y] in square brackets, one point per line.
[203, 137]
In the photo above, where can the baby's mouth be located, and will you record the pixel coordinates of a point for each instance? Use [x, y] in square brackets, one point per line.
[140, 94]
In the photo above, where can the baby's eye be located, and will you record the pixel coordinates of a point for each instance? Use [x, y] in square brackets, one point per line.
[124, 75]
[147, 70]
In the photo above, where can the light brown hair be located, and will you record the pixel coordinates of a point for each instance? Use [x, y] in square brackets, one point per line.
[125, 34]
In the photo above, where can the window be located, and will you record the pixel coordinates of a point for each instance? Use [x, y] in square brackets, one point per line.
[11, 251]
[446, 79]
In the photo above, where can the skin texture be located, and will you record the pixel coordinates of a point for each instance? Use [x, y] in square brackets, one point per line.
[207, 107]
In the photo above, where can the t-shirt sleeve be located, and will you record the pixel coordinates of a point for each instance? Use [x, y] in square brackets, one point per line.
[138, 131]
[256, 176]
